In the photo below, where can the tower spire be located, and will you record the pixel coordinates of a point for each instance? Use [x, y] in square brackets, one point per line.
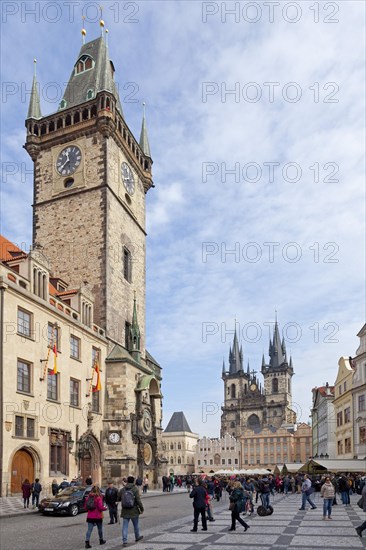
[135, 334]
[34, 109]
[144, 139]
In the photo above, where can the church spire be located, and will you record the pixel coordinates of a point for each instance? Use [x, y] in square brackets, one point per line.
[34, 109]
[235, 357]
[277, 355]
[135, 334]
[144, 139]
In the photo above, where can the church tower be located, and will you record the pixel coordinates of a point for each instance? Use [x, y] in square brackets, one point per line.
[277, 382]
[91, 176]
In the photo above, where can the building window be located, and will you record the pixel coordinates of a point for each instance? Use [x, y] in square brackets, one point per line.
[24, 323]
[347, 445]
[127, 264]
[96, 357]
[19, 426]
[179, 446]
[89, 94]
[223, 461]
[362, 433]
[345, 386]
[24, 376]
[95, 401]
[236, 461]
[58, 454]
[63, 103]
[53, 335]
[233, 391]
[74, 392]
[199, 462]
[52, 386]
[361, 402]
[339, 447]
[74, 347]
[275, 385]
[171, 446]
[347, 415]
[30, 427]
[339, 418]
[171, 460]
[229, 460]
[25, 427]
[84, 64]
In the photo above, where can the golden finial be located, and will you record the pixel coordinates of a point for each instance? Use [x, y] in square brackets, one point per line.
[101, 22]
[83, 31]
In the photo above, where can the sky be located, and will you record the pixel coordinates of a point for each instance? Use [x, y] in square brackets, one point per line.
[255, 113]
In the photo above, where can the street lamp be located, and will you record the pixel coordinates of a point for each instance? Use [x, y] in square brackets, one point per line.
[70, 443]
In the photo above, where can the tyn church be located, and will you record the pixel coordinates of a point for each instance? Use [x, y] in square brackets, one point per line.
[250, 405]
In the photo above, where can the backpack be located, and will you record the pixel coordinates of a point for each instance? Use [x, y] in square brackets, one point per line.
[90, 503]
[128, 498]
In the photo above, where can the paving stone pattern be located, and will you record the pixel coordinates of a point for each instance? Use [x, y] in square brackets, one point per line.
[287, 528]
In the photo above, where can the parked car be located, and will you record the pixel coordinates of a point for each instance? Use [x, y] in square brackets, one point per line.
[69, 501]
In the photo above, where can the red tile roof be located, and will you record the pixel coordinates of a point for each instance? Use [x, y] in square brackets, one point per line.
[9, 251]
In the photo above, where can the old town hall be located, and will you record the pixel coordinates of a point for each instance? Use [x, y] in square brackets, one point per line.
[85, 281]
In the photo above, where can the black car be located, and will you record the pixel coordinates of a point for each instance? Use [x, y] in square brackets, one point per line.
[69, 501]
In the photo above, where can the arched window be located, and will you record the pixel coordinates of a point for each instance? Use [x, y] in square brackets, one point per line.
[63, 103]
[232, 425]
[171, 446]
[171, 460]
[233, 391]
[84, 64]
[179, 460]
[90, 94]
[253, 422]
[179, 446]
[275, 385]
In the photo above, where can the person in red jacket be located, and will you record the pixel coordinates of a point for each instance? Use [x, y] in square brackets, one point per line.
[94, 505]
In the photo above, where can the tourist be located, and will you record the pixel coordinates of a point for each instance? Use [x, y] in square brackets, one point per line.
[344, 488]
[26, 489]
[89, 481]
[95, 508]
[54, 487]
[306, 490]
[362, 527]
[327, 492]
[132, 507]
[145, 484]
[36, 491]
[237, 506]
[199, 494]
[64, 483]
[111, 498]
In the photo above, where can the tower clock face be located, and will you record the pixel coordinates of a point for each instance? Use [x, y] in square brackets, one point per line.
[146, 422]
[114, 437]
[68, 160]
[127, 178]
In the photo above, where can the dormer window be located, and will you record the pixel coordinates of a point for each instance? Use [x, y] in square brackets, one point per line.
[63, 103]
[85, 63]
[90, 94]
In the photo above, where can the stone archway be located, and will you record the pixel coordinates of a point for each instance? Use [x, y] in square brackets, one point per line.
[25, 464]
[90, 459]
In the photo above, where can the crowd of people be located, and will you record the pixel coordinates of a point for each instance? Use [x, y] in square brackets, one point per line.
[244, 493]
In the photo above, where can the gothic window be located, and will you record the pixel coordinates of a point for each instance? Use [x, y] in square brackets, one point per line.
[289, 386]
[275, 385]
[127, 264]
[232, 425]
[84, 64]
[233, 391]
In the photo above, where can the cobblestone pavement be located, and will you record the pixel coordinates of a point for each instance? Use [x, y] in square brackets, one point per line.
[288, 527]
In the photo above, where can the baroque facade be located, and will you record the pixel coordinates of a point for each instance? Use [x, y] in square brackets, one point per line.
[91, 177]
[359, 397]
[323, 422]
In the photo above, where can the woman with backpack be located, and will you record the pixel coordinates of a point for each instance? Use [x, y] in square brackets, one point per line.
[95, 508]
[237, 505]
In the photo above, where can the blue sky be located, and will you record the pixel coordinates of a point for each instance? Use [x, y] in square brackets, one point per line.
[292, 208]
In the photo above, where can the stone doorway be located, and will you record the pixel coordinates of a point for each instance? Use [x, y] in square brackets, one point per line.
[22, 468]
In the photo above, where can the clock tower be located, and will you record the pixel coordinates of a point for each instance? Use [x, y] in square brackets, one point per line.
[91, 177]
